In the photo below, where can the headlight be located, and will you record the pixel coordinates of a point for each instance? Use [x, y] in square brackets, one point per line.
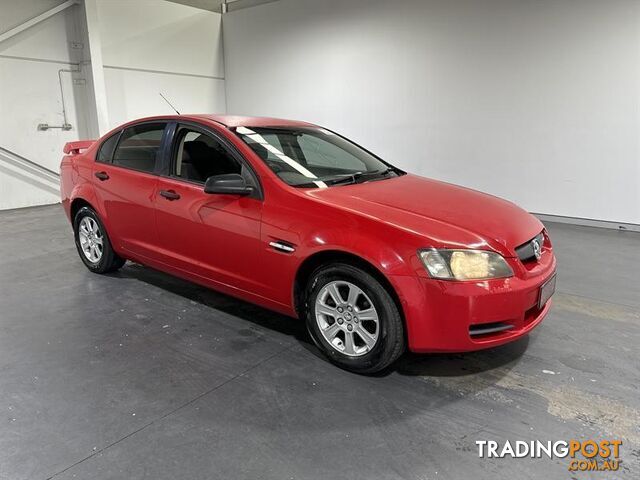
[464, 264]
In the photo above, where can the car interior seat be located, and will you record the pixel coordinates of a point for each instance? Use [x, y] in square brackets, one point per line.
[205, 161]
[187, 171]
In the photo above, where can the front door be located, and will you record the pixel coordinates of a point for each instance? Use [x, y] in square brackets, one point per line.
[212, 235]
[125, 182]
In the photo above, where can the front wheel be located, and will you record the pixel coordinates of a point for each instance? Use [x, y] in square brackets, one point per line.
[354, 320]
[93, 244]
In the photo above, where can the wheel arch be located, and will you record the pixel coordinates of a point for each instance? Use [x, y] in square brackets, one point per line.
[77, 204]
[327, 257]
[87, 200]
[83, 194]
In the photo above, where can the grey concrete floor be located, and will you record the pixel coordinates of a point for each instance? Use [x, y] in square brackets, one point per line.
[141, 375]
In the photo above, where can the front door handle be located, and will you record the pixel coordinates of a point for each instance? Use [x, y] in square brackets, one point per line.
[170, 194]
[102, 176]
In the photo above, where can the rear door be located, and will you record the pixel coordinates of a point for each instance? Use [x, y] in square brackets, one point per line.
[125, 178]
[211, 235]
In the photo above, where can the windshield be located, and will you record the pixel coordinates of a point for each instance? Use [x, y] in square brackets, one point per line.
[314, 157]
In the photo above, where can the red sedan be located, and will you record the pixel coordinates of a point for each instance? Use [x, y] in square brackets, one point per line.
[298, 219]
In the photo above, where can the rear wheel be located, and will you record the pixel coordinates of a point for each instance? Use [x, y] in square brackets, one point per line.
[93, 244]
[353, 319]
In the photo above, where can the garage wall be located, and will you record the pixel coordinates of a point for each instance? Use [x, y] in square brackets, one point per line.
[537, 102]
[147, 46]
[152, 46]
[30, 94]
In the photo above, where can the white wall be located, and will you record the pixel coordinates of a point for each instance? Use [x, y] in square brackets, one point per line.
[152, 46]
[537, 102]
[147, 46]
[30, 94]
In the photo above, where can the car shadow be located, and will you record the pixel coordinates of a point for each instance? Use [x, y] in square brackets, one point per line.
[461, 364]
[219, 301]
[410, 364]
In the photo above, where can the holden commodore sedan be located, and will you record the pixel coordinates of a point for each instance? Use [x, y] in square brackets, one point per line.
[298, 219]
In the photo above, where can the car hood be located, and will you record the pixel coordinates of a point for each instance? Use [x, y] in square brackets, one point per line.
[448, 215]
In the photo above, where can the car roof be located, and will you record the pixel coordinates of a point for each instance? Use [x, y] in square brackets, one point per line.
[248, 121]
[230, 121]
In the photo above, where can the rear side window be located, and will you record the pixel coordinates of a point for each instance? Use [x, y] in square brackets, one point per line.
[105, 154]
[139, 146]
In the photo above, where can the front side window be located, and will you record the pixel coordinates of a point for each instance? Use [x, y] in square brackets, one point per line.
[139, 146]
[314, 157]
[200, 156]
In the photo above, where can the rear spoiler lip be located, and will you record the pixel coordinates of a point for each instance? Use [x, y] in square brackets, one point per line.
[74, 148]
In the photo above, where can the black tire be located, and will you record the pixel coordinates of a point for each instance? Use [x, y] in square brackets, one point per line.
[390, 343]
[109, 261]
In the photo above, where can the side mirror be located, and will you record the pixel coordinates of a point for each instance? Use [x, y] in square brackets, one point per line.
[227, 184]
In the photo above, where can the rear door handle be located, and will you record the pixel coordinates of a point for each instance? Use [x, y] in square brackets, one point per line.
[170, 194]
[102, 176]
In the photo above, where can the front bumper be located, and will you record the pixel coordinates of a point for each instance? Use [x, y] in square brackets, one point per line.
[441, 316]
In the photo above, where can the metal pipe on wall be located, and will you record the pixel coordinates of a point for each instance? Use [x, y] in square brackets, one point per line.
[65, 124]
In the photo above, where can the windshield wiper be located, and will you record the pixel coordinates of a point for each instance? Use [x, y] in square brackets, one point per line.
[358, 177]
[346, 179]
[375, 173]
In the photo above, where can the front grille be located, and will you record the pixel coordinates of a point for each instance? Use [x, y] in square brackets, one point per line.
[487, 328]
[526, 251]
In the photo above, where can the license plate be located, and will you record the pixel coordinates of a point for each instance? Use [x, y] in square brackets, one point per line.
[546, 291]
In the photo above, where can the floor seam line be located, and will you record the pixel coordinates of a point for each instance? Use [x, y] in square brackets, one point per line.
[168, 414]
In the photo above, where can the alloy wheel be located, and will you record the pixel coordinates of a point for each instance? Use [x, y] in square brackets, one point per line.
[347, 318]
[91, 239]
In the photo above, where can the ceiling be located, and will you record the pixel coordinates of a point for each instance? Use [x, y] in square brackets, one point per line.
[215, 5]
[212, 5]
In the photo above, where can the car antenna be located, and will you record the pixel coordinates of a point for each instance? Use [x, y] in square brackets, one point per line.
[165, 99]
